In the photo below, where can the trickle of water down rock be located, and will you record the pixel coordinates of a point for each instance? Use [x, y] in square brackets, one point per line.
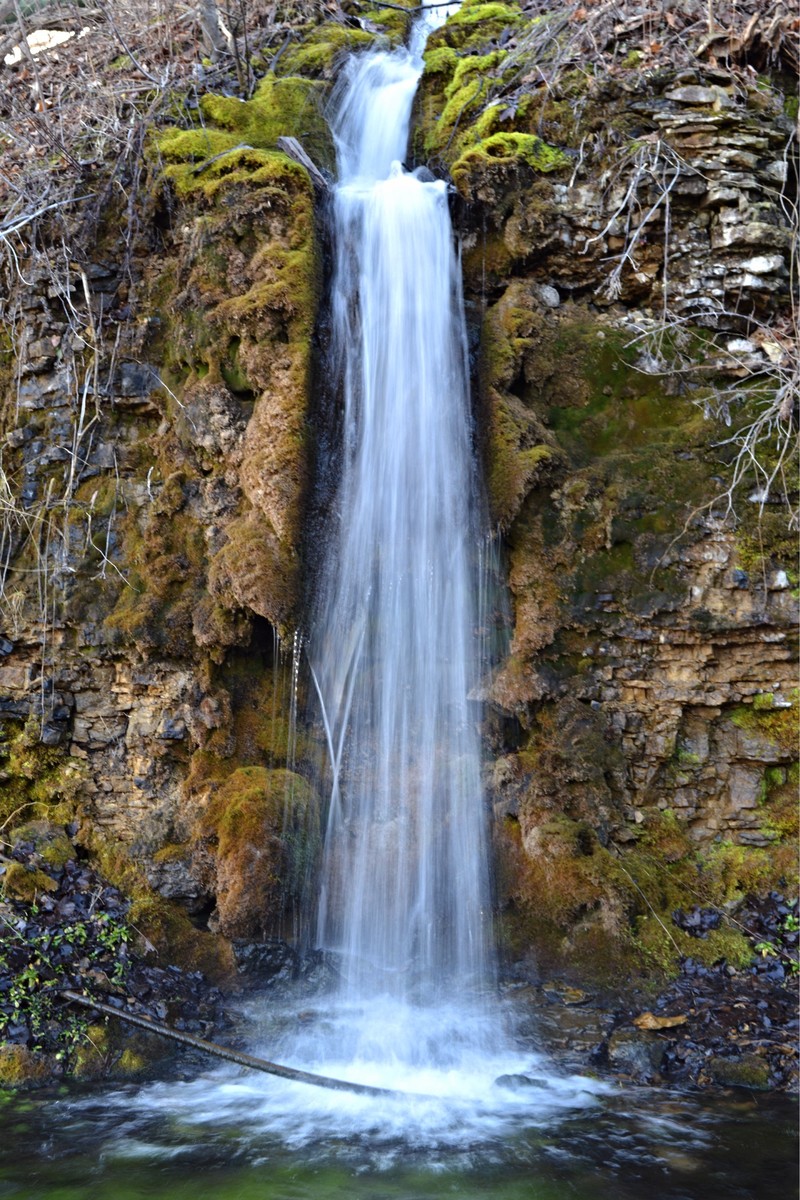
[404, 895]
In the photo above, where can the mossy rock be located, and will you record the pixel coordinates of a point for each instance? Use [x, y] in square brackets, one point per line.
[289, 106]
[237, 343]
[256, 572]
[777, 724]
[600, 909]
[463, 98]
[163, 927]
[40, 781]
[91, 1057]
[18, 882]
[475, 24]
[49, 841]
[500, 154]
[23, 1068]
[745, 1071]
[321, 51]
[265, 826]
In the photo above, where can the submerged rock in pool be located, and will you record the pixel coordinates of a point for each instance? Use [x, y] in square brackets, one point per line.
[519, 1083]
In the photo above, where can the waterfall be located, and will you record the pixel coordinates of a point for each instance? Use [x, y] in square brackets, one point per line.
[393, 651]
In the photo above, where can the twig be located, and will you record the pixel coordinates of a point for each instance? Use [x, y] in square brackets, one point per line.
[209, 162]
[159, 83]
[236, 1056]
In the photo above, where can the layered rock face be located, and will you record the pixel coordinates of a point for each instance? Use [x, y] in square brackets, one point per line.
[627, 249]
[627, 228]
[155, 469]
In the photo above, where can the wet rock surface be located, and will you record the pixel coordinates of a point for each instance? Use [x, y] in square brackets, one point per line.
[63, 926]
[713, 1026]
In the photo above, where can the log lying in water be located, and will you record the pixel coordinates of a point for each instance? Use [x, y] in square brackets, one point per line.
[236, 1056]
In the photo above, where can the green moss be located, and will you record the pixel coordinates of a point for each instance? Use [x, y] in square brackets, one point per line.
[99, 497]
[282, 107]
[20, 1067]
[265, 824]
[575, 896]
[764, 542]
[40, 781]
[464, 67]
[440, 60]
[663, 944]
[779, 725]
[504, 151]
[239, 322]
[90, 1059]
[161, 925]
[252, 168]
[233, 372]
[512, 467]
[49, 841]
[173, 852]
[292, 289]
[20, 883]
[475, 23]
[463, 96]
[319, 51]
[166, 574]
[746, 1071]
[131, 1064]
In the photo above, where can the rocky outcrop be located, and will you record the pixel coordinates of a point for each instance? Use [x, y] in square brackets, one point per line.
[156, 462]
[626, 234]
[626, 254]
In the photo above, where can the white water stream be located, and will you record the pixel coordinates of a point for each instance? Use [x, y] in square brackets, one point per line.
[405, 880]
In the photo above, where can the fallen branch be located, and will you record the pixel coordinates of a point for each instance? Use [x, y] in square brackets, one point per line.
[236, 1056]
[292, 148]
[216, 157]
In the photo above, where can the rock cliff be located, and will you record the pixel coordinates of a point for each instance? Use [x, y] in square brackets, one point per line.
[625, 192]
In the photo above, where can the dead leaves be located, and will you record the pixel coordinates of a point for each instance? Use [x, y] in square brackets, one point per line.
[648, 1020]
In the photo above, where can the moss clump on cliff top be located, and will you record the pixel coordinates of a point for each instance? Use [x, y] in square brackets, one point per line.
[320, 50]
[289, 106]
[475, 24]
[505, 150]
[254, 168]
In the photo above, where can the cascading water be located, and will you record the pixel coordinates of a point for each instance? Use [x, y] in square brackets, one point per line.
[393, 655]
[404, 888]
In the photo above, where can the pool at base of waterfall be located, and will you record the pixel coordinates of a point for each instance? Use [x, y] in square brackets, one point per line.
[228, 1135]
[478, 1115]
